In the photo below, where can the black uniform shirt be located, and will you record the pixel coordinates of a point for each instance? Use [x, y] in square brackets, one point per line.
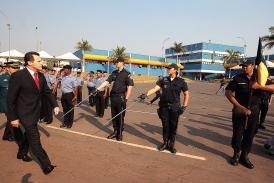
[171, 90]
[240, 85]
[121, 81]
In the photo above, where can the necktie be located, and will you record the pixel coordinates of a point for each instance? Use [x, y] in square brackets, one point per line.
[36, 80]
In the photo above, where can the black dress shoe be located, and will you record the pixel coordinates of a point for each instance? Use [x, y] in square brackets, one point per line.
[112, 135]
[163, 146]
[119, 137]
[48, 169]
[63, 125]
[245, 162]
[11, 139]
[25, 158]
[172, 150]
[235, 159]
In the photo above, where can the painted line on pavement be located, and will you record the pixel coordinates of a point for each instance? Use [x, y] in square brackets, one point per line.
[127, 143]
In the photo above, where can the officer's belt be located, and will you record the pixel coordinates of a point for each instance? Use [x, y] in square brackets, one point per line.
[116, 94]
[168, 104]
[66, 93]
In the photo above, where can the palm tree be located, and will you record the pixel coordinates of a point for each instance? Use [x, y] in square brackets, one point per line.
[178, 48]
[269, 39]
[83, 45]
[232, 59]
[119, 52]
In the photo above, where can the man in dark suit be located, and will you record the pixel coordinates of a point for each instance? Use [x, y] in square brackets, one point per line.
[26, 88]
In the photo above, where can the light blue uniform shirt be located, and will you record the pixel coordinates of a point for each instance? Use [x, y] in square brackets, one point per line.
[68, 83]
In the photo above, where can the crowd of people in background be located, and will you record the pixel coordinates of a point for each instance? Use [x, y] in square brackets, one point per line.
[102, 89]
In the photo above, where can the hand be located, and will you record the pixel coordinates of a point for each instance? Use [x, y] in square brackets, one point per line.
[255, 85]
[142, 96]
[182, 110]
[56, 110]
[15, 123]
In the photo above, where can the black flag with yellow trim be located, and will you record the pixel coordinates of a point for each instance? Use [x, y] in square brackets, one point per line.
[262, 72]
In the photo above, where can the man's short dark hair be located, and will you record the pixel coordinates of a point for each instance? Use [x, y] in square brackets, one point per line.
[29, 56]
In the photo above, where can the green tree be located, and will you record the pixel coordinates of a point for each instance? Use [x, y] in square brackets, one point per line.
[178, 48]
[231, 59]
[119, 52]
[269, 39]
[83, 45]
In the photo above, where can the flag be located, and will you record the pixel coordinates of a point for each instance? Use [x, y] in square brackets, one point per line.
[262, 72]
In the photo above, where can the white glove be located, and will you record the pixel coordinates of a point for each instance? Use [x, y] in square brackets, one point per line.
[56, 110]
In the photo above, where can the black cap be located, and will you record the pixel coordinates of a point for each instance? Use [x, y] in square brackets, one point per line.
[247, 62]
[119, 59]
[12, 64]
[67, 67]
[175, 66]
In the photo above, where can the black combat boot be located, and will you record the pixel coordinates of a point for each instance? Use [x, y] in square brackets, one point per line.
[244, 160]
[235, 159]
[113, 134]
[163, 146]
[119, 136]
[171, 145]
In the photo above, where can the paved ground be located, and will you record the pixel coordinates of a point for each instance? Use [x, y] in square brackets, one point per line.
[83, 154]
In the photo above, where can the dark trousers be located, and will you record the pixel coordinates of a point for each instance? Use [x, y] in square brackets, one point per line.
[67, 104]
[79, 94]
[107, 99]
[169, 117]
[117, 105]
[91, 99]
[100, 103]
[244, 129]
[8, 133]
[31, 139]
[263, 110]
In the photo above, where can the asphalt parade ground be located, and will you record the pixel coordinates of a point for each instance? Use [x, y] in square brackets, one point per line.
[83, 154]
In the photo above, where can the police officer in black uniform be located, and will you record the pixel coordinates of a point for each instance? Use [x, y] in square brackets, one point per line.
[119, 94]
[170, 106]
[245, 113]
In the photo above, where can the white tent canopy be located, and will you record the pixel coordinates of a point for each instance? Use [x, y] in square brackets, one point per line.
[11, 53]
[68, 56]
[44, 54]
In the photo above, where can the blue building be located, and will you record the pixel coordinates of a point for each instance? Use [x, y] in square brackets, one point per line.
[137, 64]
[203, 60]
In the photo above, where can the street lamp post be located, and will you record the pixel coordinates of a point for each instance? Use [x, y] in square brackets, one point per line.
[243, 39]
[163, 45]
[9, 28]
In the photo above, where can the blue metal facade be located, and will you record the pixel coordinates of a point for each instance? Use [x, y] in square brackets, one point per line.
[203, 59]
[135, 69]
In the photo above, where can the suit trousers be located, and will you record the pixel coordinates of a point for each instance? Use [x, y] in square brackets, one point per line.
[32, 139]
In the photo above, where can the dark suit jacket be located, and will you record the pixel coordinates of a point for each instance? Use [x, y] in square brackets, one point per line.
[24, 98]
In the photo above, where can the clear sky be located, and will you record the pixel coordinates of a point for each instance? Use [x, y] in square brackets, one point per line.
[139, 25]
